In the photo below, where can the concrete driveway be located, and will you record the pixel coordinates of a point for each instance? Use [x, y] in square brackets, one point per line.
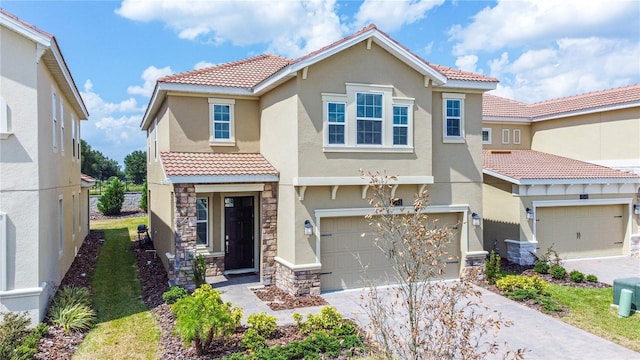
[544, 336]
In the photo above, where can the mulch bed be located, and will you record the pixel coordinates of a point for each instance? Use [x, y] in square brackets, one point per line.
[57, 345]
[528, 271]
[277, 299]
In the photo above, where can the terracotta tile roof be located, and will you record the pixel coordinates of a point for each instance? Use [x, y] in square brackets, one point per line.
[250, 72]
[245, 73]
[496, 106]
[215, 164]
[455, 74]
[86, 178]
[534, 165]
[502, 107]
[33, 27]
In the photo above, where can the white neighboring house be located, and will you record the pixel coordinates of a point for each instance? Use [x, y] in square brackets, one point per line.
[43, 200]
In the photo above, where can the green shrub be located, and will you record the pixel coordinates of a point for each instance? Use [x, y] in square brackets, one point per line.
[492, 268]
[549, 305]
[13, 328]
[29, 346]
[541, 267]
[71, 295]
[558, 272]
[174, 294]
[199, 270]
[592, 278]
[522, 294]
[143, 198]
[328, 318]
[511, 283]
[110, 203]
[204, 317]
[576, 276]
[72, 317]
[261, 327]
[551, 257]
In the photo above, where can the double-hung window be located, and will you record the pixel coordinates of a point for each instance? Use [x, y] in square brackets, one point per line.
[202, 221]
[367, 118]
[486, 135]
[400, 125]
[54, 108]
[222, 122]
[453, 117]
[335, 119]
[62, 127]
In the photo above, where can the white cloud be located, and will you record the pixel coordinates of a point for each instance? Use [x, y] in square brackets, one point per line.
[203, 64]
[389, 16]
[291, 27]
[149, 75]
[529, 22]
[571, 66]
[467, 63]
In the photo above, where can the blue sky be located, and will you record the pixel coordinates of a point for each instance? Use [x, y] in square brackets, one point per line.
[539, 49]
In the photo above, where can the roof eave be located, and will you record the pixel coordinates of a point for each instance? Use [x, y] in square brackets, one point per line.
[572, 181]
[505, 119]
[469, 84]
[221, 179]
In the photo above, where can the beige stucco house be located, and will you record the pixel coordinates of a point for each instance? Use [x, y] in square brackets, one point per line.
[254, 164]
[562, 173]
[43, 200]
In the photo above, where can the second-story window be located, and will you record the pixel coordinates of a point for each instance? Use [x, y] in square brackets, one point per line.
[453, 117]
[368, 118]
[54, 109]
[222, 122]
[62, 127]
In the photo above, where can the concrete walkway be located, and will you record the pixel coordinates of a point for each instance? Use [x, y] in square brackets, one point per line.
[544, 336]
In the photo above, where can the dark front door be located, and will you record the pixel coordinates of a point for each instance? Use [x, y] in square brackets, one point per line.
[239, 232]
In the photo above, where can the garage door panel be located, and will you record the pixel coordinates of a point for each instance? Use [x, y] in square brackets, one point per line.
[581, 231]
[342, 238]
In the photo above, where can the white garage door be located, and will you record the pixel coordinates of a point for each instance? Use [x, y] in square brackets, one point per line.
[342, 240]
[581, 231]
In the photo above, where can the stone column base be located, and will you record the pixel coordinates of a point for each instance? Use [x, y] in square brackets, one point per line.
[521, 252]
[474, 264]
[215, 265]
[297, 283]
[634, 245]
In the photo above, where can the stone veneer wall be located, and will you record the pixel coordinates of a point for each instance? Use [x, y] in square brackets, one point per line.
[474, 265]
[521, 252]
[215, 265]
[185, 234]
[298, 283]
[269, 230]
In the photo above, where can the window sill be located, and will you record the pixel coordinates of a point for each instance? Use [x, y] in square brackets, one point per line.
[206, 252]
[454, 140]
[5, 136]
[221, 143]
[366, 149]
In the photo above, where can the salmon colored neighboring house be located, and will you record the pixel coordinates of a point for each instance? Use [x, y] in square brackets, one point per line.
[254, 164]
[562, 173]
[43, 197]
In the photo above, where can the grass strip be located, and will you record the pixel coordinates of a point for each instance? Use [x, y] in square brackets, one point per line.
[590, 310]
[126, 329]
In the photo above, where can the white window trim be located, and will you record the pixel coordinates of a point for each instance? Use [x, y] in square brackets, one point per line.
[505, 136]
[60, 226]
[232, 123]
[207, 244]
[350, 131]
[54, 110]
[62, 128]
[488, 130]
[78, 139]
[516, 136]
[3, 251]
[445, 137]
[73, 138]
[5, 123]
[155, 140]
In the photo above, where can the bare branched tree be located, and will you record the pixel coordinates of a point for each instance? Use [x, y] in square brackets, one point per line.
[423, 316]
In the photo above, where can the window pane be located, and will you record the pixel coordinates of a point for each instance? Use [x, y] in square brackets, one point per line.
[202, 233]
[336, 112]
[336, 134]
[453, 108]
[369, 105]
[369, 132]
[399, 136]
[221, 130]
[400, 115]
[453, 127]
[485, 135]
[221, 113]
[201, 207]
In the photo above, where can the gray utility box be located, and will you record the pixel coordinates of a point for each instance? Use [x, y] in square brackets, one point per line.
[632, 284]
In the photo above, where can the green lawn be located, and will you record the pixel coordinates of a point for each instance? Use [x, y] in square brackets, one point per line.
[124, 325]
[590, 310]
